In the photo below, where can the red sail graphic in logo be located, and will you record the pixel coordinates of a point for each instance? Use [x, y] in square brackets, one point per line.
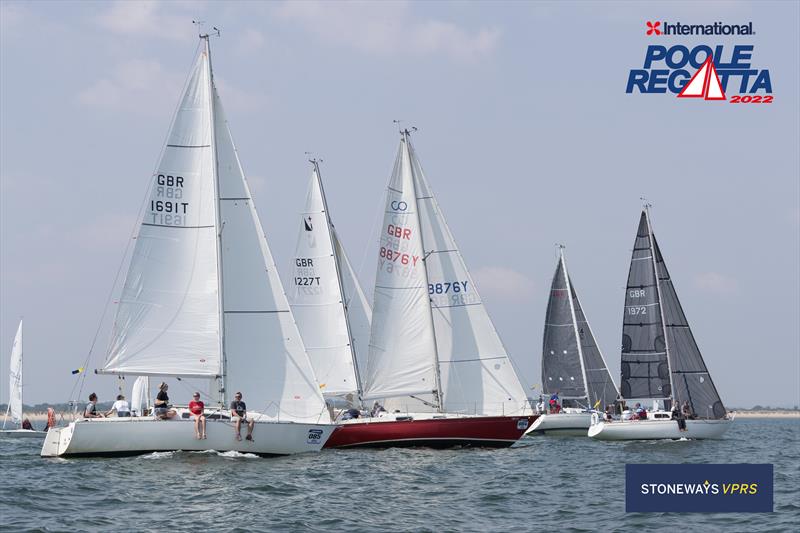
[704, 84]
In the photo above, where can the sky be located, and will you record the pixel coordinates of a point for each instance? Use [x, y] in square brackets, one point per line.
[525, 132]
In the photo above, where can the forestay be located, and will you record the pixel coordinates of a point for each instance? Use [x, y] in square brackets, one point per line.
[477, 375]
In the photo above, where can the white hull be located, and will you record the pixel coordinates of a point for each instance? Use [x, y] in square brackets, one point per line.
[561, 424]
[21, 434]
[137, 435]
[658, 429]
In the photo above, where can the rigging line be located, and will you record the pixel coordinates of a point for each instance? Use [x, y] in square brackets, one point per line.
[136, 225]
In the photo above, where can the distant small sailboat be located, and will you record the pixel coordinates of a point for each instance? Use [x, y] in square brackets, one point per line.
[435, 361]
[572, 365]
[203, 300]
[14, 410]
[661, 362]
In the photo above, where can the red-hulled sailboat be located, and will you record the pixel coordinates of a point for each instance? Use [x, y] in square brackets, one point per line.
[435, 372]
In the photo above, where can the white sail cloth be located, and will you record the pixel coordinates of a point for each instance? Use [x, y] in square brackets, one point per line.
[202, 297]
[428, 316]
[321, 309]
[15, 378]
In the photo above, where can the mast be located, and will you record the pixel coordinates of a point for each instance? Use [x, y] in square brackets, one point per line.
[660, 302]
[437, 370]
[337, 266]
[575, 324]
[218, 221]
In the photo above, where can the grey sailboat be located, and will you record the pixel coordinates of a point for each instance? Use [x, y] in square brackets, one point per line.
[661, 362]
[572, 365]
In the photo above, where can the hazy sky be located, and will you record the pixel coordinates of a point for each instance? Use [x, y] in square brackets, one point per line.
[525, 132]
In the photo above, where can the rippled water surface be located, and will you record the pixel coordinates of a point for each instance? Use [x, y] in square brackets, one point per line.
[541, 484]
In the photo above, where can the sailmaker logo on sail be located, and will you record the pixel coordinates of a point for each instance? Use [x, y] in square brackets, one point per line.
[717, 71]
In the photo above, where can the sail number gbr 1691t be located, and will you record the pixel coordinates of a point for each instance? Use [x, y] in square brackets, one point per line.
[166, 209]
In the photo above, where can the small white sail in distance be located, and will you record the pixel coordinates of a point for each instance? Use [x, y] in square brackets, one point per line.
[15, 380]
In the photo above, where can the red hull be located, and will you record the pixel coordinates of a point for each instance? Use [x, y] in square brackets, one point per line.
[485, 431]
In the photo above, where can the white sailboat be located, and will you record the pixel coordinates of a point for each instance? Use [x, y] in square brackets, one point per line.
[661, 363]
[435, 361]
[330, 308]
[14, 410]
[572, 365]
[202, 299]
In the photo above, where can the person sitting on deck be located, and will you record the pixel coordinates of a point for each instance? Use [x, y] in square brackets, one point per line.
[121, 407]
[608, 416]
[26, 424]
[197, 408]
[377, 409]
[161, 407]
[677, 414]
[239, 410]
[91, 408]
[639, 412]
[687, 411]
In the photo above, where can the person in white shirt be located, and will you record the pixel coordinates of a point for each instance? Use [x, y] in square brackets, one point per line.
[120, 406]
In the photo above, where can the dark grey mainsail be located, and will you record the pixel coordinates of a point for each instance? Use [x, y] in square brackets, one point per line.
[645, 370]
[572, 364]
[562, 371]
[660, 358]
[602, 390]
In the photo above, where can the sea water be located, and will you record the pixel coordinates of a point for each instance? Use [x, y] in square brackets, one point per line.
[540, 484]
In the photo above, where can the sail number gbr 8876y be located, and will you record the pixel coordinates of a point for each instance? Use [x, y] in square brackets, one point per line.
[166, 209]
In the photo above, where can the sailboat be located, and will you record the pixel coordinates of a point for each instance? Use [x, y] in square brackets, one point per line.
[14, 410]
[661, 362]
[572, 365]
[202, 299]
[332, 313]
[436, 370]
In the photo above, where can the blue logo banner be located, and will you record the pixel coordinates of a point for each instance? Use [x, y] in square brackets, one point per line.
[698, 488]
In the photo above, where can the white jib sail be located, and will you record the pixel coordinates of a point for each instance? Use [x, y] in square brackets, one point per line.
[359, 312]
[316, 299]
[15, 378]
[402, 349]
[477, 375]
[265, 358]
[167, 319]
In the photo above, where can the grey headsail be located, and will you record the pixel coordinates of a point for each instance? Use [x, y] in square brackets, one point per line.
[600, 386]
[645, 369]
[690, 378]
[562, 371]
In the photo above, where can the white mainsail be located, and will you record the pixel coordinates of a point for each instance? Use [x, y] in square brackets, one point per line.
[402, 357]
[15, 379]
[430, 327]
[323, 291]
[202, 297]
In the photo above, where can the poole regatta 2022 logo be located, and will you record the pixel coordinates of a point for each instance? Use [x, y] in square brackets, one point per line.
[716, 72]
